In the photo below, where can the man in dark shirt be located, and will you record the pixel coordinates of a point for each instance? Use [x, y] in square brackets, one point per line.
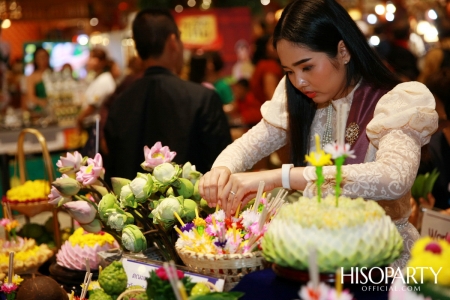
[186, 117]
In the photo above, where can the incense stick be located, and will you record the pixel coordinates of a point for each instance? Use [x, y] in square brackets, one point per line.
[258, 195]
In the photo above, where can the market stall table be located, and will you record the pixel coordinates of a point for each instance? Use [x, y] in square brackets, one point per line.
[265, 284]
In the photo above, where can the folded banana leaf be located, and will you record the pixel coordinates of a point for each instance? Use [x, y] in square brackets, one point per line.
[423, 185]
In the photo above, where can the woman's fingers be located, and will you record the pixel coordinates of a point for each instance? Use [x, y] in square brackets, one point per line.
[212, 183]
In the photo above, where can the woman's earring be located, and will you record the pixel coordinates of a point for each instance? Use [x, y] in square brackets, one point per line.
[345, 62]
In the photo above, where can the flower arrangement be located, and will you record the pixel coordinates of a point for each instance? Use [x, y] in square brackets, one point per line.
[12, 282]
[139, 212]
[10, 288]
[218, 234]
[168, 283]
[10, 226]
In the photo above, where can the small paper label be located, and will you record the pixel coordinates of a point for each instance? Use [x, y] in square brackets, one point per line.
[435, 224]
[138, 272]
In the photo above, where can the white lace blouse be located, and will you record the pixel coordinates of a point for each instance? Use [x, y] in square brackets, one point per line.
[403, 122]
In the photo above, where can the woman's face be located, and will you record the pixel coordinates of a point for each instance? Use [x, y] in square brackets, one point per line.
[313, 73]
[42, 60]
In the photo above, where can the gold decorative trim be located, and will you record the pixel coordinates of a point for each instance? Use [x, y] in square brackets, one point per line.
[352, 133]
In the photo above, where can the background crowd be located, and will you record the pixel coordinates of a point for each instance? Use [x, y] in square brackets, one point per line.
[203, 103]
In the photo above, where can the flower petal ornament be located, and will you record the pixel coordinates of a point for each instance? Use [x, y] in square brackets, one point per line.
[319, 159]
[157, 155]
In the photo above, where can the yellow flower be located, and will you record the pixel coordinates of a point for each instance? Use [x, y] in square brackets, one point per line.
[318, 158]
[16, 279]
[198, 222]
[11, 225]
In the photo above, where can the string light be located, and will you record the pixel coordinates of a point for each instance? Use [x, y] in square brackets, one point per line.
[179, 8]
[265, 2]
[379, 9]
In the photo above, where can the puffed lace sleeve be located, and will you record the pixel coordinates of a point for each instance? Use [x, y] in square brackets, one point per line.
[263, 139]
[409, 105]
[403, 121]
[275, 111]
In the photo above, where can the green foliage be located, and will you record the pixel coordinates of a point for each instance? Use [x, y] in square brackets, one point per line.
[423, 185]
[113, 279]
[219, 296]
[158, 289]
[99, 294]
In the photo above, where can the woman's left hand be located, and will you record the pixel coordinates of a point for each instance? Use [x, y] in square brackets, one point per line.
[242, 187]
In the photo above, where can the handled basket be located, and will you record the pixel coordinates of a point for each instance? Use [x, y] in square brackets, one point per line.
[231, 267]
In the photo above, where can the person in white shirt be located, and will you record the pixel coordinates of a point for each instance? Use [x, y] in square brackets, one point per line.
[100, 88]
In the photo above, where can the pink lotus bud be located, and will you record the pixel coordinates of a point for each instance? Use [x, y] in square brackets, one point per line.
[82, 211]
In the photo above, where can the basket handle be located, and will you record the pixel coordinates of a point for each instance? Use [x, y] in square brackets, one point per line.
[45, 154]
[48, 168]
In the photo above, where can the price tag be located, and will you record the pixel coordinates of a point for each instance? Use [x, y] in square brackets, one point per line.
[435, 224]
[138, 272]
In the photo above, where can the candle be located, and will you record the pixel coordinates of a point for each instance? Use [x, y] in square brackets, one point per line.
[180, 232]
[237, 210]
[182, 290]
[217, 207]
[234, 232]
[178, 217]
[11, 267]
[214, 222]
[338, 282]
[317, 142]
[196, 212]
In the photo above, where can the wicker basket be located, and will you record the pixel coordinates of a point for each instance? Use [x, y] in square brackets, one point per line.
[131, 293]
[230, 267]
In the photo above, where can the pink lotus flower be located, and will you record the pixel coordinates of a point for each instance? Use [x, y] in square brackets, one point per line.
[156, 155]
[71, 163]
[55, 197]
[82, 211]
[8, 288]
[90, 173]
[4, 222]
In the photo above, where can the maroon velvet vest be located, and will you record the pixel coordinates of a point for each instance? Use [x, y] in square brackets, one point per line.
[365, 100]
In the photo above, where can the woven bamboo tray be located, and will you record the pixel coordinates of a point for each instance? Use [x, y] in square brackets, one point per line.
[231, 267]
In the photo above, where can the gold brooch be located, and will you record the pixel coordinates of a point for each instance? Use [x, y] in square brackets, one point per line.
[352, 133]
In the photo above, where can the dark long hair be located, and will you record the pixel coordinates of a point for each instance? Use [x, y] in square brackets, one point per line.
[38, 49]
[320, 25]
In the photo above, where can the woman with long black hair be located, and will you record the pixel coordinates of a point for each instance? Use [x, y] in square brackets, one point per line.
[327, 62]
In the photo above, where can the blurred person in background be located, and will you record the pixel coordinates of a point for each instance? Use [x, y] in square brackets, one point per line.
[206, 69]
[101, 87]
[98, 90]
[399, 56]
[185, 116]
[248, 106]
[36, 95]
[439, 57]
[268, 71]
[214, 68]
[15, 78]
[243, 68]
[197, 69]
[135, 71]
[265, 78]
[5, 51]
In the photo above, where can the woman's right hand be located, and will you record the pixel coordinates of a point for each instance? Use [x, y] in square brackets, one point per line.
[212, 183]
